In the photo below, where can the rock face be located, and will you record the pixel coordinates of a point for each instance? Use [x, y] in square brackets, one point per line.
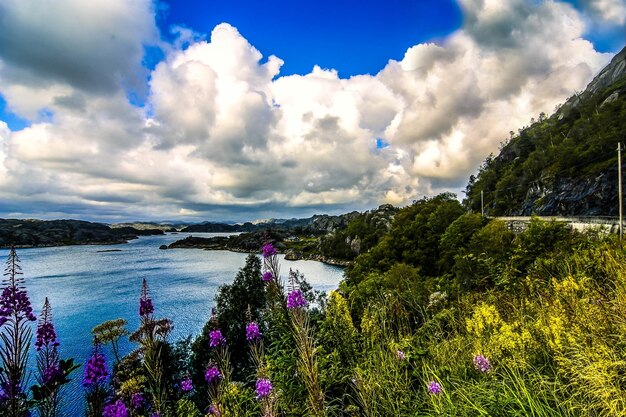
[611, 74]
[589, 197]
[31, 233]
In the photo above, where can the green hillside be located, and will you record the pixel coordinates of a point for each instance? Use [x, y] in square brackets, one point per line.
[565, 164]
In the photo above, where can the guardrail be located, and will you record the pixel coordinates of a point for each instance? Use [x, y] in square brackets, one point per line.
[577, 219]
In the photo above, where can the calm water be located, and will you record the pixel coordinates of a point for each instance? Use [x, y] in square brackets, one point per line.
[86, 287]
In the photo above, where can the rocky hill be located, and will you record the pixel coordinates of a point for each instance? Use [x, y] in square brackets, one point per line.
[33, 233]
[565, 164]
[331, 239]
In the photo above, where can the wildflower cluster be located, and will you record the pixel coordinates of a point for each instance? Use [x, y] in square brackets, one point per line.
[253, 332]
[137, 401]
[212, 374]
[216, 338]
[145, 302]
[295, 299]
[269, 250]
[51, 372]
[95, 370]
[434, 388]
[186, 385]
[46, 335]
[481, 363]
[117, 409]
[263, 388]
[14, 302]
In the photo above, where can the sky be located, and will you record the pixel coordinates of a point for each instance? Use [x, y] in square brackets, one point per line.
[124, 110]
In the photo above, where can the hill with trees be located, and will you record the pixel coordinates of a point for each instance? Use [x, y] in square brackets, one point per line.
[565, 164]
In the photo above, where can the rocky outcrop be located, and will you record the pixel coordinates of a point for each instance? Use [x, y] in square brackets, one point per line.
[33, 233]
[610, 75]
[589, 196]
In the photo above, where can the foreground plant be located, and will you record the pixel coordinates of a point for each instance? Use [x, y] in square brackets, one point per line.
[94, 382]
[52, 372]
[305, 344]
[16, 314]
[152, 335]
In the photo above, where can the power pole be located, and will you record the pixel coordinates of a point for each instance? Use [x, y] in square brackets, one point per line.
[619, 174]
[482, 204]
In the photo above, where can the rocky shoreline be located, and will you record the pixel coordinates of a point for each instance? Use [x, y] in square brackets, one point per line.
[250, 243]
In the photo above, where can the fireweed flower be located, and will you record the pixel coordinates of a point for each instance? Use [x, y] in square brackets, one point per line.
[212, 374]
[14, 302]
[117, 409]
[267, 276]
[263, 387]
[145, 302]
[137, 400]
[95, 370]
[481, 364]
[50, 372]
[252, 332]
[186, 385]
[295, 299]
[269, 250]
[434, 388]
[216, 338]
[46, 335]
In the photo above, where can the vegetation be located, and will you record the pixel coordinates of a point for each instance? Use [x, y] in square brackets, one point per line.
[447, 314]
[576, 145]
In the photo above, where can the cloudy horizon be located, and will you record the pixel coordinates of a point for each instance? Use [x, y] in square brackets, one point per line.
[123, 119]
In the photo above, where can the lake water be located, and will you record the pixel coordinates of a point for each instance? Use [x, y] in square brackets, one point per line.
[86, 286]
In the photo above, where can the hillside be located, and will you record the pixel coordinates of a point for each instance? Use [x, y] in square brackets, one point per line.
[565, 164]
[33, 233]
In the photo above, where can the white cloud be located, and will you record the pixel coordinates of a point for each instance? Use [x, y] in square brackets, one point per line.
[224, 135]
[50, 49]
[610, 11]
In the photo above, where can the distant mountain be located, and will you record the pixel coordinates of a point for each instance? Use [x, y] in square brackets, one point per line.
[565, 164]
[319, 223]
[166, 227]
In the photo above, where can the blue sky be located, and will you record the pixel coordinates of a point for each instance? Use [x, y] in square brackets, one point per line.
[351, 37]
[121, 110]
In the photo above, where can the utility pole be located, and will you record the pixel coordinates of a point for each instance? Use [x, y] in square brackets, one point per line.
[482, 204]
[619, 174]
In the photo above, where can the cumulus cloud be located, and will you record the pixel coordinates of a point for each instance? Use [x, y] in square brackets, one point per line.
[49, 49]
[224, 136]
[608, 11]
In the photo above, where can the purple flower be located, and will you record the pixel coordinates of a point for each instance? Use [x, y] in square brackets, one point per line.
[117, 409]
[14, 302]
[263, 387]
[295, 299]
[481, 363]
[434, 388]
[269, 250]
[45, 330]
[95, 370]
[137, 400]
[213, 410]
[212, 374]
[216, 338]
[145, 302]
[51, 372]
[267, 276]
[400, 355]
[252, 332]
[186, 385]
[46, 335]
